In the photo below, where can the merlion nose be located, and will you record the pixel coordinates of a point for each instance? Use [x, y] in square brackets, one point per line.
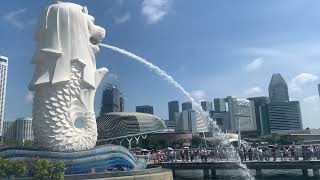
[99, 33]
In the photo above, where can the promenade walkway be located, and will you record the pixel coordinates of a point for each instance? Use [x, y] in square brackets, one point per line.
[228, 165]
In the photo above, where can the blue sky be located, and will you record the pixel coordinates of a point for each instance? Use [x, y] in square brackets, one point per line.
[213, 48]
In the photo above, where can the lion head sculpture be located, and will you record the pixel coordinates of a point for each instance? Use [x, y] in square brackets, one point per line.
[65, 32]
[66, 78]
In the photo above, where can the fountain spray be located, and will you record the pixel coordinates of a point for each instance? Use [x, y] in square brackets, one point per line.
[200, 113]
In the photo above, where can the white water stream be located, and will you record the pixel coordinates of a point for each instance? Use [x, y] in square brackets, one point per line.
[230, 150]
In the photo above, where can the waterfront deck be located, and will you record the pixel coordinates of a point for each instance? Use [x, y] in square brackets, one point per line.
[228, 165]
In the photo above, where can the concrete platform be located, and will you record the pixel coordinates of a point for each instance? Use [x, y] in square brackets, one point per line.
[157, 173]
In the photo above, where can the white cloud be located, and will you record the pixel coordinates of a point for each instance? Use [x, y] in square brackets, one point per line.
[312, 102]
[254, 65]
[122, 18]
[29, 97]
[254, 91]
[199, 94]
[300, 80]
[155, 10]
[15, 18]
[293, 55]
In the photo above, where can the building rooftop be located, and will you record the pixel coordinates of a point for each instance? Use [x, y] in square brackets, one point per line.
[277, 79]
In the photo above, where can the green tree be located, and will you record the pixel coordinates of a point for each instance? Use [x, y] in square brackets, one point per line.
[196, 141]
[41, 168]
[4, 167]
[12, 168]
[18, 168]
[44, 168]
[57, 170]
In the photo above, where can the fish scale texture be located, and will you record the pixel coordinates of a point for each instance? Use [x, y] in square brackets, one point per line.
[56, 110]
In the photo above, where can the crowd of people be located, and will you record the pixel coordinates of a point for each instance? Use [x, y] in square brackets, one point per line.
[282, 153]
[249, 153]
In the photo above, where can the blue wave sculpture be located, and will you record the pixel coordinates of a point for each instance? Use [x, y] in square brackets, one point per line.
[99, 159]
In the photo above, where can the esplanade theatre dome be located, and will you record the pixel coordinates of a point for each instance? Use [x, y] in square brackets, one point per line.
[116, 124]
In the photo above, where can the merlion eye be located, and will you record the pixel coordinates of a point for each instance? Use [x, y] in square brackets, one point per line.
[85, 10]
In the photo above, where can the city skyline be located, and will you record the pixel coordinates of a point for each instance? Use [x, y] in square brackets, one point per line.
[246, 57]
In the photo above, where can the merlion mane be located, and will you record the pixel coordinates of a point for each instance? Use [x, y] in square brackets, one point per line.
[65, 78]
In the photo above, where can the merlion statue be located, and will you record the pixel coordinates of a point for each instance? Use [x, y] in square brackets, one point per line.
[65, 78]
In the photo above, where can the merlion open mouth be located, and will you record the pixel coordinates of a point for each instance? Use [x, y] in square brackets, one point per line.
[94, 40]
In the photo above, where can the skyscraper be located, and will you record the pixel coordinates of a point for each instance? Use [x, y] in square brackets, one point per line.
[186, 106]
[219, 104]
[9, 129]
[186, 121]
[278, 89]
[241, 114]
[222, 119]
[145, 109]
[111, 100]
[258, 102]
[173, 107]
[284, 116]
[24, 129]
[281, 113]
[201, 123]
[121, 104]
[20, 129]
[319, 89]
[3, 84]
[206, 105]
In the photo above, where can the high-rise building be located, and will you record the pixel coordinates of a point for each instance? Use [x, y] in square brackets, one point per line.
[173, 108]
[186, 106]
[219, 104]
[145, 109]
[186, 121]
[121, 104]
[201, 122]
[20, 129]
[265, 128]
[24, 129]
[319, 89]
[241, 114]
[278, 89]
[111, 100]
[170, 124]
[9, 129]
[222, 119]
[258, 102]
[206, 105]
[284, 116]
[281, 114]
[3, 84]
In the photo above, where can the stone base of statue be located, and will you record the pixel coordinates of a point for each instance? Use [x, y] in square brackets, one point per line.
[99, 159]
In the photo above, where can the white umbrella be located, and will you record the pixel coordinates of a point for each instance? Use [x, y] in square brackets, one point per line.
[170, 149]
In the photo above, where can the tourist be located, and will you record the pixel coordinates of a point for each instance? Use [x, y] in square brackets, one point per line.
[293, 153]
[205, 155]
[282, 153]
[254, 153]
[202, 155]
[245, 154]
[260, 154]
[250, 154]
[274, 153]
[182, 155]
[241, 154]
[192, 156]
